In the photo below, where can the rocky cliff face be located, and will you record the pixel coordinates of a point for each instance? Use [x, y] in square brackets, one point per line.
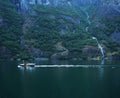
[25, 4]
[59, 21]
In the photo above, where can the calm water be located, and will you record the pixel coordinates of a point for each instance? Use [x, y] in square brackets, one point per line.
[60, 82]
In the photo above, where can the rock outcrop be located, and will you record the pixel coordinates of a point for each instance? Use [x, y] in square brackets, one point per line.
[59, 55]
[114, 57]
[24, 4]
[91, 51]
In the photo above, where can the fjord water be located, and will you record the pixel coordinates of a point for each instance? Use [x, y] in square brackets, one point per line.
[60, 82]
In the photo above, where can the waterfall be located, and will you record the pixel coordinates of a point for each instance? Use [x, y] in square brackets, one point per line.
[102, 61]
[69, 3]
[88, 17]
[99, 46]
[88, 20]
[101, 49]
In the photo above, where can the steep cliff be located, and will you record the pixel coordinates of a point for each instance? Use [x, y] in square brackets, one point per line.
[25, 4]
[31, 28]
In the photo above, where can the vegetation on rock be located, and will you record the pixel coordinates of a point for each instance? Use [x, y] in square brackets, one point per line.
[35, 33]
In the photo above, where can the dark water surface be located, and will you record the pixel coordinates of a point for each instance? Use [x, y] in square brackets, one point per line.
[60, 82]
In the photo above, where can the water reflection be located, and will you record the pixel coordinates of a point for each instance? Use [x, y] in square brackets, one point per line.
[101, 69]
[71, 63]
[100, 65]
[74, 80]
[26, 68]
[102, 61]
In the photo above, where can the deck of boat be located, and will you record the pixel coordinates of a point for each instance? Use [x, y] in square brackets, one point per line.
[27, 64]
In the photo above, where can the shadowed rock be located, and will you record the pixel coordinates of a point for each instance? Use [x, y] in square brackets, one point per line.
[91, 51]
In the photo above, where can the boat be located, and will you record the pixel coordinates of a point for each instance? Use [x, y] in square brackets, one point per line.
[27, 64]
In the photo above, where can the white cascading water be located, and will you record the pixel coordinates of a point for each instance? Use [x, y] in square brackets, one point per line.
[69, 3]
[99, 46]
[88, 19]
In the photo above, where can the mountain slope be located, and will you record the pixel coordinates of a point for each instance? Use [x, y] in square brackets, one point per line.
[46, 25]
[10, 29]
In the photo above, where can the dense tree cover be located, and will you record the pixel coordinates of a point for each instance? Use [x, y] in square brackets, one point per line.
[56, 24]
[44, 26]
[10, 26]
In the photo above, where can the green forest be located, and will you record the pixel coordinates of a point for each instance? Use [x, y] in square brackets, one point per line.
[60, 32]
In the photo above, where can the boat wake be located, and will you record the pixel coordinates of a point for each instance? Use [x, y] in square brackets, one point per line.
[68, 66]
[85, 66]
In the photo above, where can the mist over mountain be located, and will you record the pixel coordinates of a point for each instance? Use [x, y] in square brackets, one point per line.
[59, 29]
